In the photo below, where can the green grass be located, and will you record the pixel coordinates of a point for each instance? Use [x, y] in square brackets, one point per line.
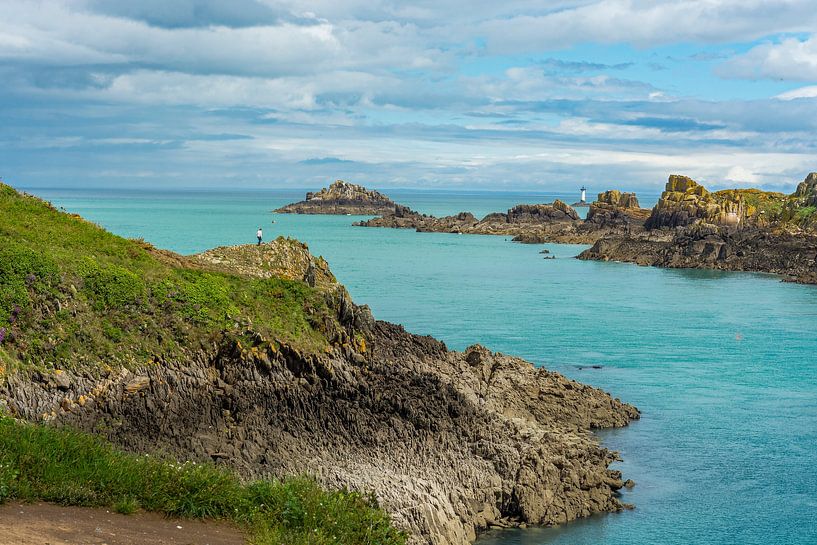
[805, 214]
[40, 463]
[73, 295]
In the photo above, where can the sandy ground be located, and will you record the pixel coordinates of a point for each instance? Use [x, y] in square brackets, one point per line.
[46, 524]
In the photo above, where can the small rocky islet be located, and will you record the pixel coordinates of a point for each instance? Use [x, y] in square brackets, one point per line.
[689, 227]
[256, 358]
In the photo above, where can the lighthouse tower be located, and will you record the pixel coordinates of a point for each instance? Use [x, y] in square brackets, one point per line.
[584, 195]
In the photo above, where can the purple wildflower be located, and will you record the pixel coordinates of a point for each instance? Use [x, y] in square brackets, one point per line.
[2, 334]
[31, 278]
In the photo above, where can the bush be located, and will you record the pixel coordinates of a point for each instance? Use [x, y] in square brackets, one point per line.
[111, 286]
[21, 270]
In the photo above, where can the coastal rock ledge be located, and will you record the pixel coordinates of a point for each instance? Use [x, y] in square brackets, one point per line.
[450, 443]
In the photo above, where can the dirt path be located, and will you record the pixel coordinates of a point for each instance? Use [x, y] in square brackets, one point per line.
[47, 524]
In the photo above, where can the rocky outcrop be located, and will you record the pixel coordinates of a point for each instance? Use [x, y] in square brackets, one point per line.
[449, 442]
[793, 256]
[685, 202]
[282, 257]
[614, 210]
[542, 213]
[733, 229]
[530, 223]
[345, 198]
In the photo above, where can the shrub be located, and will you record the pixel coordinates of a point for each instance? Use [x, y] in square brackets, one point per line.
[111, 286]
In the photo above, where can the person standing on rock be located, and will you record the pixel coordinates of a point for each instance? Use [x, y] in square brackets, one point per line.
[260, 235]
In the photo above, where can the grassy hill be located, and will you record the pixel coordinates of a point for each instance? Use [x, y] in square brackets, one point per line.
[72, 294]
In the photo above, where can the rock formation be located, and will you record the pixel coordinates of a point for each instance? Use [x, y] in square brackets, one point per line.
[614, 209]
[709, 247]
[735, 229]
[685, 202]
[531, 223]
[344, 198]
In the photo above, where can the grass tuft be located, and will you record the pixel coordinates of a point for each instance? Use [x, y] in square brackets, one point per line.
[40, 463]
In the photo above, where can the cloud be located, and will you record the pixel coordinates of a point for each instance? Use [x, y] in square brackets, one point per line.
[190, 13]
[646, 23]
[791, 59]
[582, 66]
[802, 92]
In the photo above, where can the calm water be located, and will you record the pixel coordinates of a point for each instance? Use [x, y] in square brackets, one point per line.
[723, 366]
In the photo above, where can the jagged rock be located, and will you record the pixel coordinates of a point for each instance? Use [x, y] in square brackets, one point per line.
[716, 247]
[449, 442]
[807, 190]
[542, 213]
[528, 223]
[616, 210]
[345, 198]
[685, 202]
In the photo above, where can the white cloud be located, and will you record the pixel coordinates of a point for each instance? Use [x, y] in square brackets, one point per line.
[791, 59]
[802, 92]
[646, 23]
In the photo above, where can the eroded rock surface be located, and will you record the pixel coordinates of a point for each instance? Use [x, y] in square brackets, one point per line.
[449, 442]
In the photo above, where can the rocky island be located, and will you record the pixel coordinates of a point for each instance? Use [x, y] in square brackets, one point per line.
[256, 359]
[533, 223]
[344, 198]
[735, 229]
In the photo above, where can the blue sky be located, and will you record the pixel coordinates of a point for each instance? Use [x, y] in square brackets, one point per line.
[520, 94]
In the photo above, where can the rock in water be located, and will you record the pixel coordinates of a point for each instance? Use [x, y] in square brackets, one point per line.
[344, 198]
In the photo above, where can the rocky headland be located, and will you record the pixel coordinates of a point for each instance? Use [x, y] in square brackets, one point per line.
[533, 223]
[736, 229]
[256, 358]
[344, 198]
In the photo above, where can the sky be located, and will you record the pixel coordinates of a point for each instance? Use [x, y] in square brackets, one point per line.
[448, 94]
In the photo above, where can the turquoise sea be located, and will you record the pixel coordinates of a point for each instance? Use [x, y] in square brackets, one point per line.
[722, 365]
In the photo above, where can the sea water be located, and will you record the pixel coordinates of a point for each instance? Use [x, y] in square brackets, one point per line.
[723, 366]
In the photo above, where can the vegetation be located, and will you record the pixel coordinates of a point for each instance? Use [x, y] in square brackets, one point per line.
[72, 294]
[62, 466]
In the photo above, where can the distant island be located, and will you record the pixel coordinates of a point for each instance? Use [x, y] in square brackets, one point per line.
[344, 198]
[255, 358]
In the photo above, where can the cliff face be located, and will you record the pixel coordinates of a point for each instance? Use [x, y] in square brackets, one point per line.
[616, 210]
[344, 198]
[794, 256]
[291, 378]
[685, 202]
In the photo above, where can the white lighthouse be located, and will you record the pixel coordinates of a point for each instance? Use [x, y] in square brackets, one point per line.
[584, 195]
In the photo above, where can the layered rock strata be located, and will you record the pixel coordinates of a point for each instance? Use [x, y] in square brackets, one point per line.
[449, 442]
[709, 247]
[344, 198]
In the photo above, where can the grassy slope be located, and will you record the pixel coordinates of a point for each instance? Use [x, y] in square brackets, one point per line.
[772, 207]
[41, 463]
[72, 294]
[75, 296]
